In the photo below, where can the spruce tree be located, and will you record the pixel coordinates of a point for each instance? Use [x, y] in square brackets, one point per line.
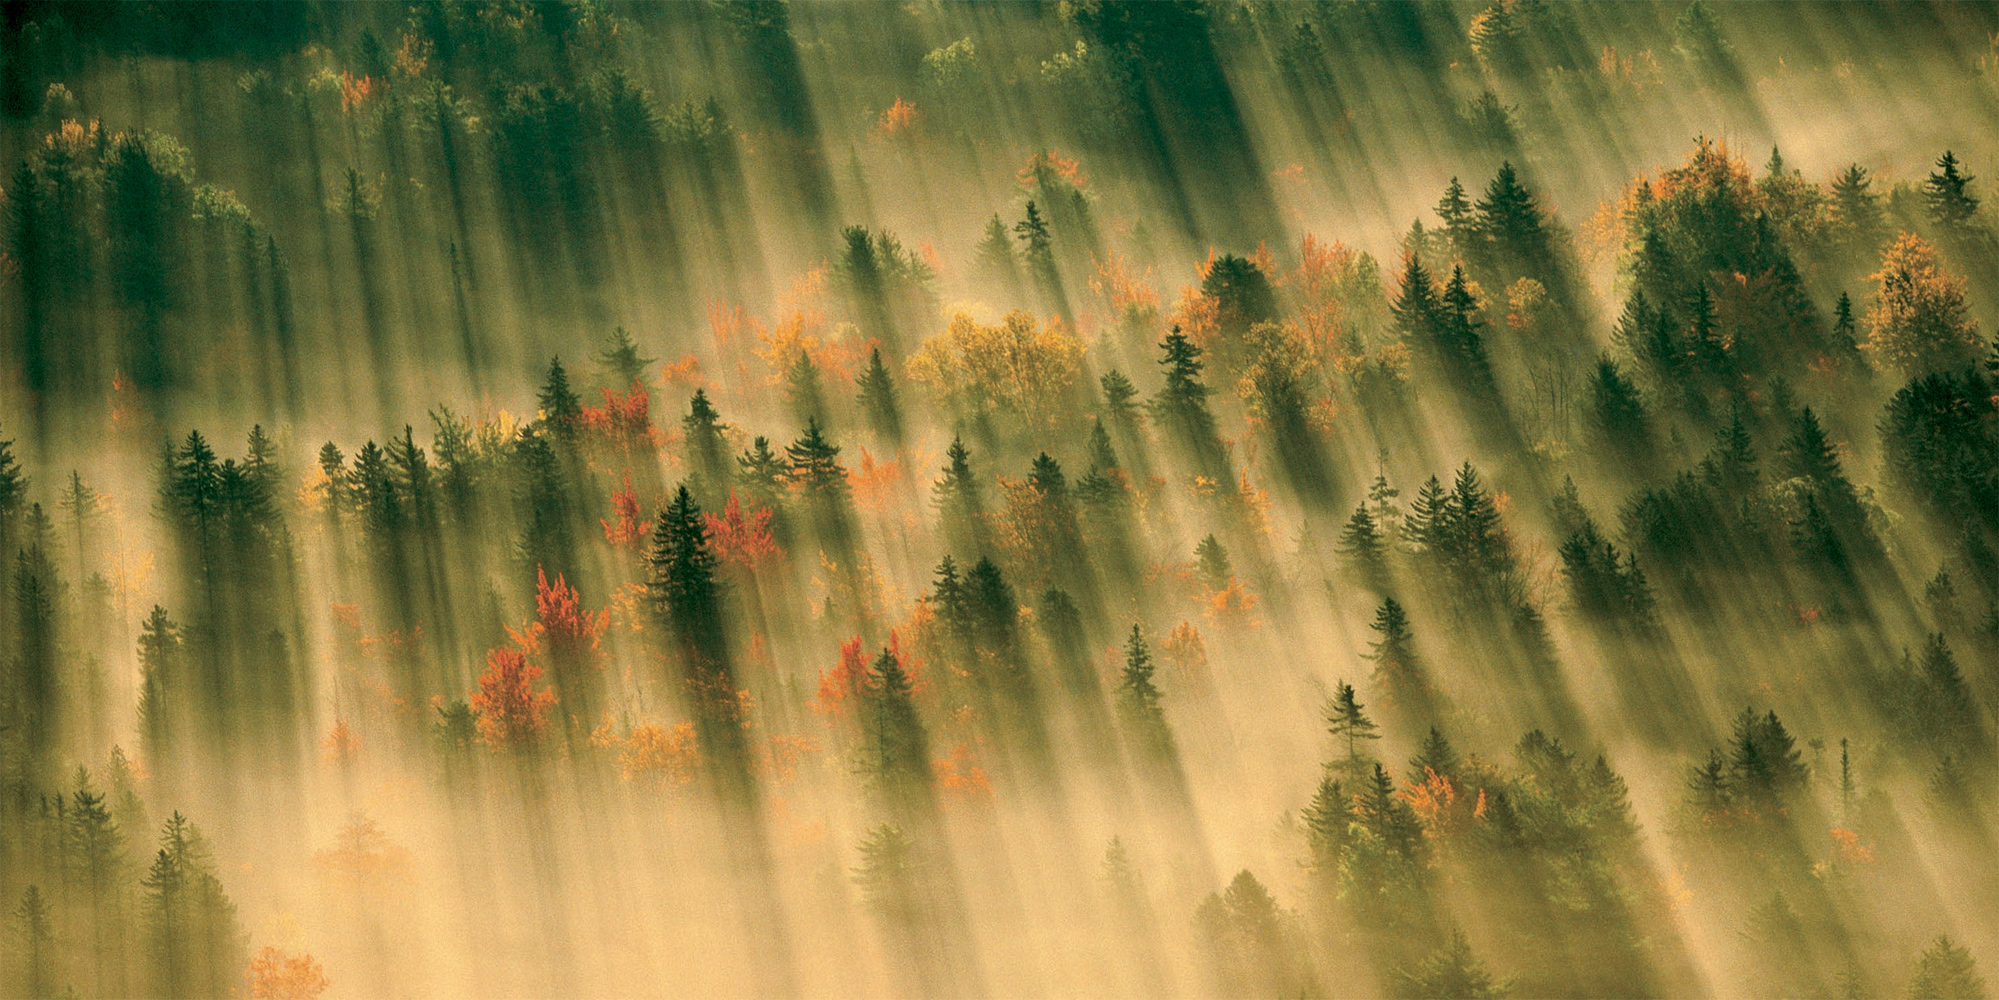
[1947, 194]
[1347, 723]
[1396, 666]
[681, 582]
[1436, 755]
[1211, 562]
[801, 389]
[622, 360]
[561, 409]
[1364, 547]
[35, 952]
[706, 441]
[1946, 971]
[877, 400]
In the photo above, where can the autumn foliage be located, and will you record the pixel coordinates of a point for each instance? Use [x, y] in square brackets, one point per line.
[275, 975]
[511, 713]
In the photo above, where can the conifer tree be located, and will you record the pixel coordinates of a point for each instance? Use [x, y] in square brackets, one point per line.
[1396, 666]
[1435, 756]
[1947, 194]
[561, 409]
[1138, 698]
[1946, 971]
[622, 360]
[1211, 562]
[896, 745]
[877, 400]
[1118, 396]
[195, 944]
[996, 257]
[958, 500]
[35, 952]
[1348, 724]
[1858, 211]
[801, 389]
[681, 582]
[1451, 971]
[707, 444]
[762, 473]
[1365, 548]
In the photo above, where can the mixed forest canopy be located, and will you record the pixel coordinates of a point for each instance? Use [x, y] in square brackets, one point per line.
[571, 498]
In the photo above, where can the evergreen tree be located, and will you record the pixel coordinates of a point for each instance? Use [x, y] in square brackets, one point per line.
[1458, 326]
[801, 389]
[1619, 412]
[1396, 666]
[1946, 971]
[995, 255]
[1460, 225]
[958, 500]
[35, 951]
[896, 745]
[1947, 194]
[560, 407]
[1417, 311]
[877, 399]
[1347, 722]
[1138, 699]
[197, 949]
[1037, 248]
[622, 361]
[1327, 818]
[1451, 971]
[706, 441]
[1211, 562]
[1118, 396]
[1862, 223]
[681, 583]
[1365, 548]
[762, 473]
[813, 464]
[1435, 756]
[889, 877]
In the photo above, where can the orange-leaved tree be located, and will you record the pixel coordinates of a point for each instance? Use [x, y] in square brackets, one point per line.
[275, 975]
[511, 713]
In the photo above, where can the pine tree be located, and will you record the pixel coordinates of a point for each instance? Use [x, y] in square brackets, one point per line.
[1858, 210]
[1459, 339]
[196, 946]
[1946, 971]
[1037, 247]
[1137, 697]
[1451, 971]
[995, 255]
[1211, 562]
[1103, 457]
[1184, 389]
[896, 743]
[762, 473]
[1119, 394]
[1365, 548]
[706, 441]
[889, 877]
[1460, 226]
[622, 360]
[1619, 412]
[1947, 194]
[560, 408]
[1347, 722]
[161, 679]
[681, 582]
[35, 950]
[1327, 818]
[1436, 756]
[814, 465]
[877, 400]
[1417, 311]
[1845, 333]
[1396, 666]
[801, 389]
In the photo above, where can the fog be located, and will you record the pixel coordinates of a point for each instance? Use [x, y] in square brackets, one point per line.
[1027, 499]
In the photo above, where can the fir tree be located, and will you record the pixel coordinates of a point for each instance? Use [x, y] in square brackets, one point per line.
[1435, 756]
[1347, 722]
[1947, 194]
[1211, 562]
[1119, 394]
[1858, 211]
[813, 464]
[622, 361]
[561, 409]
[1451, 971]
[681, 582]
[1946, 971]
[896, 744]
[762, 473]
[1396, 666]
[877, 400]
[706, 441]
[801, 389]
[196, 946]
[1138, 698]
[1364, 547]
[35, 951]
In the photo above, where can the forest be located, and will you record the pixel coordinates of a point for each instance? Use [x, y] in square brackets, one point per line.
[1190, 498]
